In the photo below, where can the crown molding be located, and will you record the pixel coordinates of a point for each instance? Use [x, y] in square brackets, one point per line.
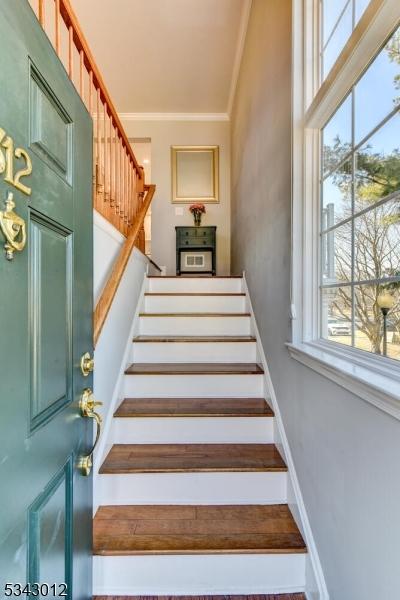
[173, 116]
[244, 23]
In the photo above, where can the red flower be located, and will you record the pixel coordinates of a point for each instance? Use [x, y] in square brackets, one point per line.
[197, 208]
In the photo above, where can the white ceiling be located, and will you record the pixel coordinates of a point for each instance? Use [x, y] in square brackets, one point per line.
[166, 56]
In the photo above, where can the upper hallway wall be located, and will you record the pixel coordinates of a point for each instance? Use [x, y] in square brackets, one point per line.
[345, 450]
[165, 134]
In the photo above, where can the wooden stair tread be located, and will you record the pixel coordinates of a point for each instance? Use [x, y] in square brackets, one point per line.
[194, 338]
[225, 597]
[192, 458]
[194, 369]
[191, 529]
[194, 277]
[195, 314]
[194, 407]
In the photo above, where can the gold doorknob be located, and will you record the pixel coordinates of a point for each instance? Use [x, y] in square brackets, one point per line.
[87, 364]
[87, 405]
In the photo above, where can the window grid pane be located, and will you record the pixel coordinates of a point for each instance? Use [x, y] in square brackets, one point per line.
[360, 215]
[338, 20]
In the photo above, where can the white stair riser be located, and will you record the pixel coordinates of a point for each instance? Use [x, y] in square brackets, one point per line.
[197, 325]
[199, 575]
[171, 285]
[193, 386]
[213, 304]
[192, 488]
[170, 352]
[192, 430]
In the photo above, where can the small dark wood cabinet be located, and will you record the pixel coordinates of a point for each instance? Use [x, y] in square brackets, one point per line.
[196, 239]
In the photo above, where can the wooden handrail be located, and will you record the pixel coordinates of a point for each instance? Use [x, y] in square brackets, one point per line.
[154, 264]
[104, 303]
[118, 179]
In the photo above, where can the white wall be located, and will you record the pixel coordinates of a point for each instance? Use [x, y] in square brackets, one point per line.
[114, 341]
[107, 242]
[165, 134]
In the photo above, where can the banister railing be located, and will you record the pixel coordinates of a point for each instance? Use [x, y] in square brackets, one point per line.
[119, 190]
[107, 296]
[118, 179]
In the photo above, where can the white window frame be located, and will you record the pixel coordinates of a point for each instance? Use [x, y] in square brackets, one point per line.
[373, 378]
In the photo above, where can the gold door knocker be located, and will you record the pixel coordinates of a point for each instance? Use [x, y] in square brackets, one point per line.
[13, 228]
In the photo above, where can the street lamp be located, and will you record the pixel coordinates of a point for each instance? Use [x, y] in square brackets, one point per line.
[385, 302]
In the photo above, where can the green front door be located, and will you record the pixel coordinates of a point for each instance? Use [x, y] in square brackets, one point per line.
[45, 316]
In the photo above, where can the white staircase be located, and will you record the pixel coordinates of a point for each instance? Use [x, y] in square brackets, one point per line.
[194, 429]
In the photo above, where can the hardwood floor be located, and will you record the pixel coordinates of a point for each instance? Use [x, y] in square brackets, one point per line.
[254, 597]
[194, 407]
[193, 458]
[194, 369]
[191, 529]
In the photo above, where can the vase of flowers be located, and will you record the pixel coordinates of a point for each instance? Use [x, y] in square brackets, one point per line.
[197, 211]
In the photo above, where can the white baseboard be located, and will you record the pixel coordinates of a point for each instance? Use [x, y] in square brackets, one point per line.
[175, 352]
[305, 524]
[192, 430]
[192, 488]
[194, 386]
[192, 575]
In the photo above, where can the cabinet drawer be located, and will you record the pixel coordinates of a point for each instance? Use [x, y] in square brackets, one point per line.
[185, 232]
[197, 241]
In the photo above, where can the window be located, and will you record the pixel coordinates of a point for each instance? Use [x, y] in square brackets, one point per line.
[346, 196]
[360, 210]
[338, 19]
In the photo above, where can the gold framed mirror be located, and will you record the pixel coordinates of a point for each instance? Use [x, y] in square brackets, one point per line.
[195, 174]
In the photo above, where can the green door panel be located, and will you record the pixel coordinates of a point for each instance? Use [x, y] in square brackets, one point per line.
[52, 142]
[50, 128]
[45, 316]
[50, 552]
[50, 260]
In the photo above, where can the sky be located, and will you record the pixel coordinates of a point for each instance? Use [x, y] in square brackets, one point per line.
[333, 41]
